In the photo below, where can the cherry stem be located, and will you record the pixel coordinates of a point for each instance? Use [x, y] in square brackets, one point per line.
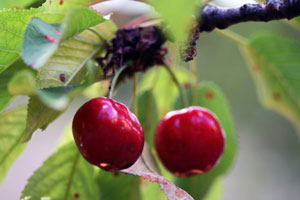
[134, 95]
[98, 34]
[194, 75]
[180, 88]
[154, 80]
[115, 79]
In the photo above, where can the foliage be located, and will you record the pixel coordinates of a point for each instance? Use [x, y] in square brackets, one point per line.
[274, 64]
[12, 124]
[64, 175]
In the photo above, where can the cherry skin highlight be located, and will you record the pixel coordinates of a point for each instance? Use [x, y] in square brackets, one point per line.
[189, 141]
[107, 134]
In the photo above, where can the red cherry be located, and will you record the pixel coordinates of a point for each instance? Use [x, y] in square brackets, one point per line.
[189, 141]
[107, 134]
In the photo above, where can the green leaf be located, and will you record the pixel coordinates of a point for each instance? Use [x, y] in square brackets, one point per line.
[59, 98]
[39, 116]
[48, 104]
[148, 115]
[40, 42]
[178, 15]
[12, 124]
[16, 4]
[41, 39]
[64, 175]
[163, 86]
[295, 23]
[117, 185]
[56, 98]
[5, 77]
[97, 89]
[13, 24]
[77, 20]
[150, 190]
[211, 97]
[216, 190]
[274, 62]
[106, 30]
[22, 83]
[69, 60]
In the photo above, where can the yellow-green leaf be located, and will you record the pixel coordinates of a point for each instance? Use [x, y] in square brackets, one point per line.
[12, 125]
[13, 23]
[64, 176]
[274, 62]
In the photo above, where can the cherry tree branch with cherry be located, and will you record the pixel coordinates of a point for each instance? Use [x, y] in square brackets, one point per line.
[175, 130]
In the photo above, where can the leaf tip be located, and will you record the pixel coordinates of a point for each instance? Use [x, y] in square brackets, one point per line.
[26, 135]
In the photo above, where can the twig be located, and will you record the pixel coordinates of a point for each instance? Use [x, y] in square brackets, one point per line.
[215, 17]
[115, 79]
[134, 95]
[177, 83]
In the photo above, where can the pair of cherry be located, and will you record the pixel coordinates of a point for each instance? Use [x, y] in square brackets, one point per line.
[188, 141]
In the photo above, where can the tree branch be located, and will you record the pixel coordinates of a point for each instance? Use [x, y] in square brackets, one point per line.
[215, 17]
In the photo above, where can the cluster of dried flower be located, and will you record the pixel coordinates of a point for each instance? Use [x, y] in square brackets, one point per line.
[141, 47]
